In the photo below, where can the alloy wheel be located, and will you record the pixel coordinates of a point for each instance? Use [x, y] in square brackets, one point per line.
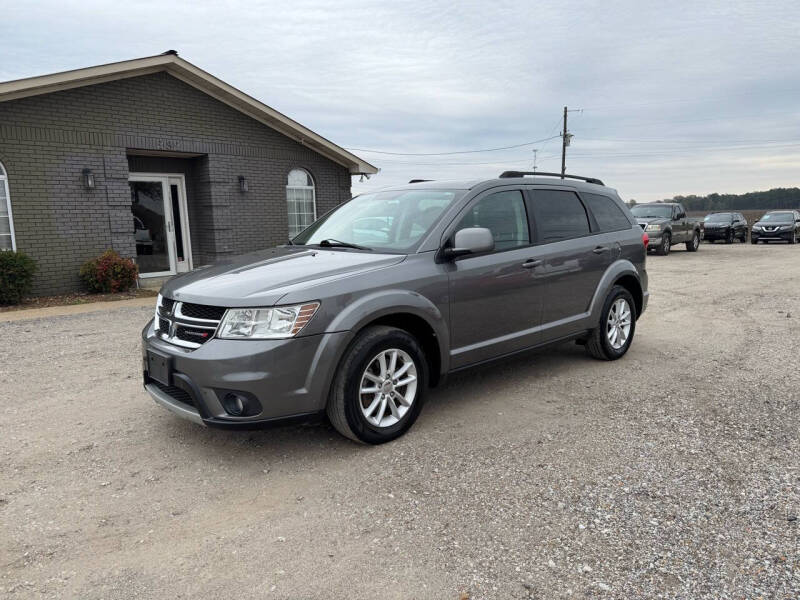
[618, 324]
[388, 387]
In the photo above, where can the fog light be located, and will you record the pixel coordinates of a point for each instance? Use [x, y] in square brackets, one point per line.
[234, 404]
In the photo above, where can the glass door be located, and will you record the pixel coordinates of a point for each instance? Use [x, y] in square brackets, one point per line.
[152, 226]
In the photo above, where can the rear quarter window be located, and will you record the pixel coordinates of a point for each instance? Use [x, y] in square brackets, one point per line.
[606, 211]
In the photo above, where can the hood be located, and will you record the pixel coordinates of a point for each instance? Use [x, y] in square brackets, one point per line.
[772, 223]
[262, 278]
[647, 221]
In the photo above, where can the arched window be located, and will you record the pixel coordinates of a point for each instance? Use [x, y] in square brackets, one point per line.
[300, 200]
[7, 241]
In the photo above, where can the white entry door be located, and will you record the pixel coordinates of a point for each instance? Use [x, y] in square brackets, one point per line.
[161, 224]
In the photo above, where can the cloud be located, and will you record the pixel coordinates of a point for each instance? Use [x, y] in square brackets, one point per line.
[669, 91]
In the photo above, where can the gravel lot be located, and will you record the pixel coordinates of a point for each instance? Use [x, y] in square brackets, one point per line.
[673, 473]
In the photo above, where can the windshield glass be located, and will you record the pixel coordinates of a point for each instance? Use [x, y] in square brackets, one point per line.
[655, 211]
[389, 221]
[719, 218]
[778, 217]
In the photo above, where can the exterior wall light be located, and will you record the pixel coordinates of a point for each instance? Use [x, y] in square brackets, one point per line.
[243, 187]
[88, 179]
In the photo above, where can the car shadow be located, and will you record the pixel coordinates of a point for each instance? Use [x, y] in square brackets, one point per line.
[317, 440]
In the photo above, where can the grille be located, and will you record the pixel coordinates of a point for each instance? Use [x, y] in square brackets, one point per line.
[201, 311]
[174, 392]
[163, 325]
[167, 304]
[193, 334]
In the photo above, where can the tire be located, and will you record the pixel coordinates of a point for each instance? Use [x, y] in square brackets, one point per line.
[694, 244]
[346, 406]
[599, 344]
[730, 237]
[663, 248]
[794, 238]
[753, 241]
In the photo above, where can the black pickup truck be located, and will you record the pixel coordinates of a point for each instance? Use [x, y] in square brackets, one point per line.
[666, 224]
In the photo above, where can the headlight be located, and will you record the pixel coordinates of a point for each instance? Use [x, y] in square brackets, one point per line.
[653, 227]
[276, 323]
[756, 228]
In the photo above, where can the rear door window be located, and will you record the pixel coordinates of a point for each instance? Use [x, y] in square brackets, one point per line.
[607, 213]
[559, 215]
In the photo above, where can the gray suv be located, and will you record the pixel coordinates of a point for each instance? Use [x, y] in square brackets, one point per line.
[385, 295]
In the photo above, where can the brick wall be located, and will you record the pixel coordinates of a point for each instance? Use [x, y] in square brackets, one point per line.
[46, 141]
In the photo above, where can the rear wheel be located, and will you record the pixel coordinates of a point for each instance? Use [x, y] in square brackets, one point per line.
[693, 244]
[614, 333]
[378, 391]
[664, 246]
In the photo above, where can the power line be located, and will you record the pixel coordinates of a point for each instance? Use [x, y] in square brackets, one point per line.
[450, 153]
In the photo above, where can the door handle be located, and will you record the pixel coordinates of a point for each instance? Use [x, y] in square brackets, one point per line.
[531, 263]
[600, 249]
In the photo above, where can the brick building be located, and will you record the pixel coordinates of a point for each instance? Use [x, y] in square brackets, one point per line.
[159, 160]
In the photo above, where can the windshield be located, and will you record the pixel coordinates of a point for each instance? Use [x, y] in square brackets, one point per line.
[719, 218]
[778, 217]
[389, 221]
[652, 211]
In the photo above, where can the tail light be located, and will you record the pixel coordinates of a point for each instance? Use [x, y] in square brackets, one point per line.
[645, 240]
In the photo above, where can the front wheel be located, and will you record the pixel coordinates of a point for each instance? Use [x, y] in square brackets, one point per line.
[378, 391]
[793, 239]
[614, 333]
[693, 244]
[664, 246]
[729, 239]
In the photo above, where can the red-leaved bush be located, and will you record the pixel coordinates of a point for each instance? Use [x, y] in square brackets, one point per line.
[109, 272]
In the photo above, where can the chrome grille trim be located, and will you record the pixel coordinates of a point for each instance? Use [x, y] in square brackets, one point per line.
[172, 315]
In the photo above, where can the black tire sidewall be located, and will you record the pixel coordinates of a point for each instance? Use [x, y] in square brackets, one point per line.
[355, 366]
[616, 293]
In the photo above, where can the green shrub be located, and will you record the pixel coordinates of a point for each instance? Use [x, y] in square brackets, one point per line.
[16, 276]
[109, 272]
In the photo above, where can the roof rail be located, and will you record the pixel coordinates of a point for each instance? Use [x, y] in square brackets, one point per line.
[419, 180]
[512, 174]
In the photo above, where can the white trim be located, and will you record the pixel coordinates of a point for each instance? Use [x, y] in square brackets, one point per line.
[196, 77]
[164, 179]
[313, 189]
[4, 179]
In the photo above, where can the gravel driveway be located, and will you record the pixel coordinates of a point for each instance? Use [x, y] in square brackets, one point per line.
[673, 473]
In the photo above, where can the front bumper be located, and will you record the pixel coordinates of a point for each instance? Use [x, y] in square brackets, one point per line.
[716, 234]
[654, 239]
[772, 236]
[285, 378]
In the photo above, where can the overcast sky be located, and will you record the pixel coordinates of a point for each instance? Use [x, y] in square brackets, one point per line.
[677, 98]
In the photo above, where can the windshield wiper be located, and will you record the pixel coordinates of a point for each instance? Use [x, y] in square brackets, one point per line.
[332, 243]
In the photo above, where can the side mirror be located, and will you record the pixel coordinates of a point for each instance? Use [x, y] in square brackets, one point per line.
[471, 240]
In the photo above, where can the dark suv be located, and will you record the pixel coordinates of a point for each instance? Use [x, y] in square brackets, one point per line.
[777, 226]
[727, 226]
[388, 293]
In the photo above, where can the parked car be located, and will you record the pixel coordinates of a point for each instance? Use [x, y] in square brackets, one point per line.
[777, 226]
[467, 272]
[728, 226]
[667, 224]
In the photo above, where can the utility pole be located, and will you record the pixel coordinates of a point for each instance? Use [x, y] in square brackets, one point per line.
[535, 156]
[564, 144]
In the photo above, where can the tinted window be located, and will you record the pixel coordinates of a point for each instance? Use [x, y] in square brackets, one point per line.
[504, 215]
[559, 215]
[608, 214]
